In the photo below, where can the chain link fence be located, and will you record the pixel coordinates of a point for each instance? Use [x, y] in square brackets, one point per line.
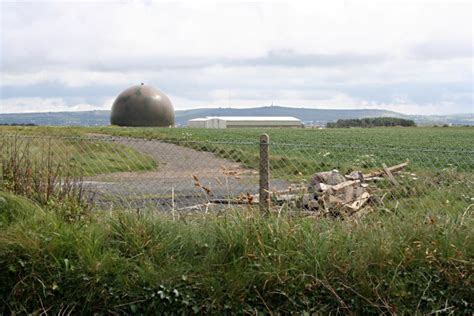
[320, 179]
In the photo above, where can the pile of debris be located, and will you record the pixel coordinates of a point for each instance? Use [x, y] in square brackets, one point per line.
[328, 194]
[331, 194]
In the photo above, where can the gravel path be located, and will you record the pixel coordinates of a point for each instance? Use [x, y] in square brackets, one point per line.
[178, 169]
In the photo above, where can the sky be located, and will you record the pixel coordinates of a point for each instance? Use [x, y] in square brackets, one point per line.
[410, 56]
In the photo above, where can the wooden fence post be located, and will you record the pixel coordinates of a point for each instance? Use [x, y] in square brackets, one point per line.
[264, 190]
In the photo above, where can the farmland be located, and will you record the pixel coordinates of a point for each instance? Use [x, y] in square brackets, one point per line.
[301, 151]
[418, 137]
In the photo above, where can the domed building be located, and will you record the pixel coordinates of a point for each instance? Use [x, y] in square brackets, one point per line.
[142, 105]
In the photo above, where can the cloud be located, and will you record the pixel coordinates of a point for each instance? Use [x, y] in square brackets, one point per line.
[25, 105]
[317, 54]
[447, 49]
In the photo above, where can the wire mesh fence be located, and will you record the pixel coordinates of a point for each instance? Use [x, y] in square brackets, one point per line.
[321, 179]
[333, 180]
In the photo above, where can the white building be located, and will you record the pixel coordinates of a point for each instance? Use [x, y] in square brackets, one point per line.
[244, 121]
[197, 123]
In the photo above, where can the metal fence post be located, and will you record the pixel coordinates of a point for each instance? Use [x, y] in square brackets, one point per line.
[264, 190]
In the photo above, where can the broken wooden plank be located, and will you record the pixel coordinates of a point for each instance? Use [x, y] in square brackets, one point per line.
[373, 176]
[373, 179]
[379, 173]
[299, 190]
[389, 175]
[357, 204]
[233, 201]
[291, 197]
[343, 185]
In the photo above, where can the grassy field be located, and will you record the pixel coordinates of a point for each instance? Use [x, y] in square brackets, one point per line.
[417, 137]
[297, 153]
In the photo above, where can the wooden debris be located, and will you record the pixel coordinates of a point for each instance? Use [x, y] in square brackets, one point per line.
[357, 204]
[329, 194]
[389, 175]
[228, 201]
[379, 173]
[343, 185]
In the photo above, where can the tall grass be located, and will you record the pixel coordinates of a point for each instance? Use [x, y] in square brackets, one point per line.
[39, 176]
[237, 262]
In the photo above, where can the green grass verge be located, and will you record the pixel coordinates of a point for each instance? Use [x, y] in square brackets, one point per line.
[84, 156]
[408, 262]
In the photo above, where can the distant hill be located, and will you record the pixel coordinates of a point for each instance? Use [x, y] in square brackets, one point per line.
[83, 118]
[309, 116]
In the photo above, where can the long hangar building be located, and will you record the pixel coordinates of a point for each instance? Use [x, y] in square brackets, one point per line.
[244, 121]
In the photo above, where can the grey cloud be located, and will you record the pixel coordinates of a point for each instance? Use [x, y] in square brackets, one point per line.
[271, 59]
[420, 93]
[284, 58]
[290, 58]
[443, 50]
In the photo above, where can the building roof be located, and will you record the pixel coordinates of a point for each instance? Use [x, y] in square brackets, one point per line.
[251, 118]
[200, 119]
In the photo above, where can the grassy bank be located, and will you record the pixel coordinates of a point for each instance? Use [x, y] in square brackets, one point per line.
[408, 262]
[87, 157]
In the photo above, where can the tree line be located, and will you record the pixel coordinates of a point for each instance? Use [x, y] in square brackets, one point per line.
[371, 122]
[17, 124]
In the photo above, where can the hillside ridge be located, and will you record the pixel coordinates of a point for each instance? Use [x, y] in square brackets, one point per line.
[307, 115]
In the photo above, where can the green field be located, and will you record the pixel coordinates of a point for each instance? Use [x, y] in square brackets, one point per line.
[302, 151]
[82, 157]
[297, 153]
[417, 137]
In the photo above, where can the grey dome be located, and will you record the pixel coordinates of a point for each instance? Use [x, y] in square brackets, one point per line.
[142, 105]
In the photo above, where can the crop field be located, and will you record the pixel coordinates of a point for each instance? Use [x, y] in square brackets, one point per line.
[337, 147]
[417, 137]
[303, 151]
[295, 152]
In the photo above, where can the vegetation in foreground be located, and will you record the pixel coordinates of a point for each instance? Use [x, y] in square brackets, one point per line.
[240, 262]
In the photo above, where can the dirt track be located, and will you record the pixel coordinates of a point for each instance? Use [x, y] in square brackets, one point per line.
[178, 167]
